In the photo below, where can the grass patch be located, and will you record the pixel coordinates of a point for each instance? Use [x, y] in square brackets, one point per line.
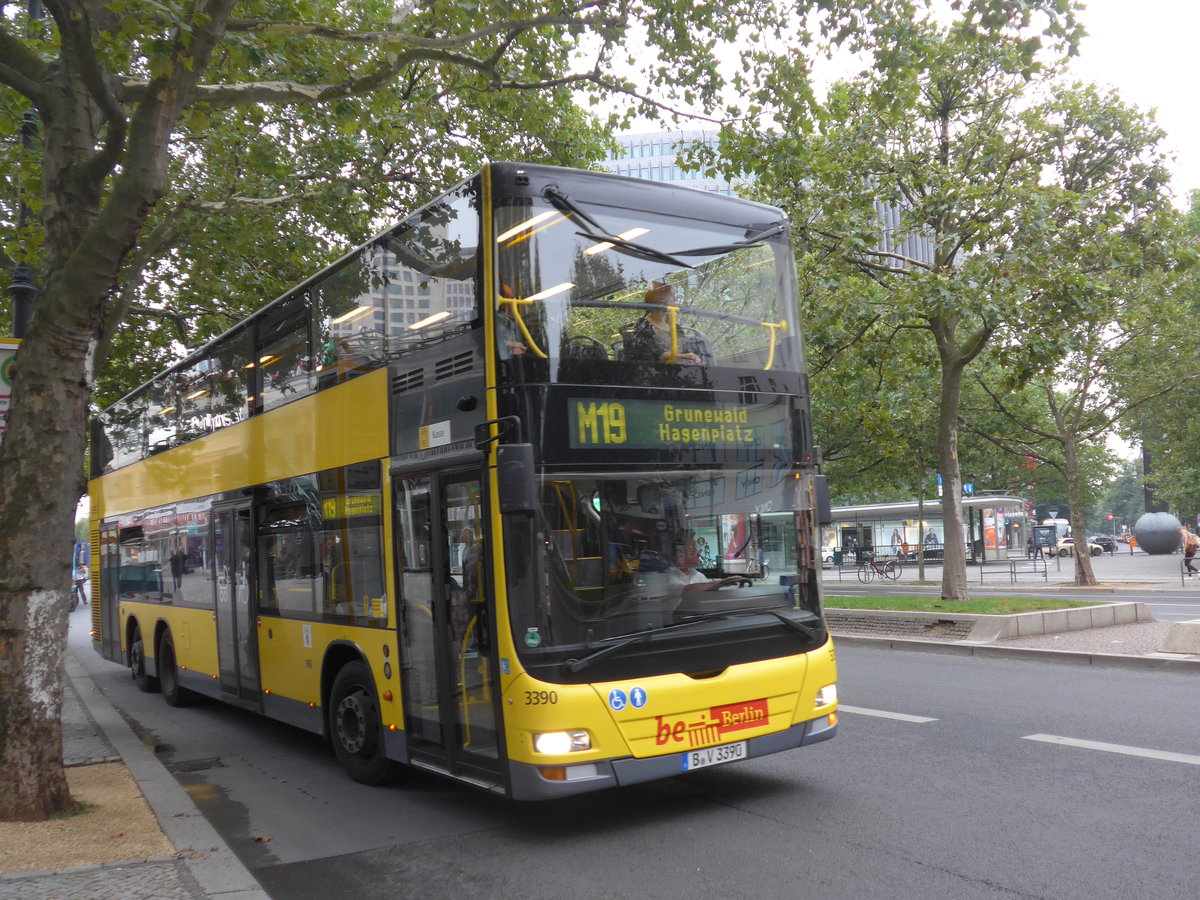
[988, 606]
[73, 808]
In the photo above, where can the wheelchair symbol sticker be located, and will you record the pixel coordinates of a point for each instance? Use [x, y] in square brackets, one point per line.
[616, 699]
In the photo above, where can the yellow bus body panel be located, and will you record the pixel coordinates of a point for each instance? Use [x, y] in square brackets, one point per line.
[679, 713]
[323, 431]
[193, 631]
[291, 661]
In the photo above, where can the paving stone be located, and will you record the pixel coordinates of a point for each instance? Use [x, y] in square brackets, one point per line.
[154, 880]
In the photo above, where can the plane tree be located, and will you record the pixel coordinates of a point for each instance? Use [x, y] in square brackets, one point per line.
[970, 184]
[134, 99]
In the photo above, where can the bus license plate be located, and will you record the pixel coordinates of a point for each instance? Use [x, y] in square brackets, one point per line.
[713, 756]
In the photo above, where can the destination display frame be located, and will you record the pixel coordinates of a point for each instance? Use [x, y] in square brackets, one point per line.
[587, 423]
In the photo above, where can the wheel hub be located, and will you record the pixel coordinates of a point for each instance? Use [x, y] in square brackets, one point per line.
[352, 722]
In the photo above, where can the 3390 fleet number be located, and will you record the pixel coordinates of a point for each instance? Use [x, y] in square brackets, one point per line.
[541, 698]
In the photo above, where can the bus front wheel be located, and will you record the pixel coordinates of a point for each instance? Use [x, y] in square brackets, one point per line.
[355, 727]
[137, 664]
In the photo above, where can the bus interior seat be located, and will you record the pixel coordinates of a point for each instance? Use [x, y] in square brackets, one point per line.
[584, 348]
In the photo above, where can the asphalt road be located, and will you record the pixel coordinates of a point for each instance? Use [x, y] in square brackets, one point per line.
[952, 777]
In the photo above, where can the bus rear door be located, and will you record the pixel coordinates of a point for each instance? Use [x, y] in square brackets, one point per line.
[237, 654]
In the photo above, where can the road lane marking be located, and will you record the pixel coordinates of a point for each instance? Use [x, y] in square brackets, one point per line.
[884, 714]
[1115, 748]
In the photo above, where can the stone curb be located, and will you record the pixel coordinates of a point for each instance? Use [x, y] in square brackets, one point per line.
[208, 859]
[981, 628]
[962, 648]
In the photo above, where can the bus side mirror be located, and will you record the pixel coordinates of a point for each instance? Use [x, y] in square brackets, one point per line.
[821, 500]
[515, 477]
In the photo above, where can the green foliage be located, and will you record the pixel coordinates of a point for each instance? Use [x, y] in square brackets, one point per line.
[955, 199]
[1124, 499]
[315, 129]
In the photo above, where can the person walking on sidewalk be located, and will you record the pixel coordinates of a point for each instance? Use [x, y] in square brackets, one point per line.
[81, 577]
[1190, 544]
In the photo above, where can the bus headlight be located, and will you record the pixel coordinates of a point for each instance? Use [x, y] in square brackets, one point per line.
[826, 696]
[555, 743]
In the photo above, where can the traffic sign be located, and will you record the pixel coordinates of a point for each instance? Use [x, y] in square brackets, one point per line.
[8, 352]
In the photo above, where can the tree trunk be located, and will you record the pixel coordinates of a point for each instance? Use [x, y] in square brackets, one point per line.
[42, 458]
[954, 560]
[102, 173]
[1084, 576]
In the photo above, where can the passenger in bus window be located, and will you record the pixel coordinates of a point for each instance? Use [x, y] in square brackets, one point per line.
[649, 338]
[472, 562]
[511, 342]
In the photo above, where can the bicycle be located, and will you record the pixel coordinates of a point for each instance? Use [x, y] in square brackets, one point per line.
[871, 569]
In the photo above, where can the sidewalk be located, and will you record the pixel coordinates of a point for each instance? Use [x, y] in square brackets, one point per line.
[201, 864]
[1118, 571]
[1136, 644]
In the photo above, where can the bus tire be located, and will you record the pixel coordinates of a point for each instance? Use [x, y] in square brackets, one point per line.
[168, 674]
[355, 727]
[137, 664]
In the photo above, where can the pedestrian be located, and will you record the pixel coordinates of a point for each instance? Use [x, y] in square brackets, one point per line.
[81, 577]
[1190, 544]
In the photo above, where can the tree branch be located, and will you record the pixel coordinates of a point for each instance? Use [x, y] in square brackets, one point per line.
[20, 69]
[574, 16]
[75, 28]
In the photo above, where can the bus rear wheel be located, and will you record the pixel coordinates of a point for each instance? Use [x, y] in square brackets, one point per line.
[137, 664]
[355, 727]
[168, 674]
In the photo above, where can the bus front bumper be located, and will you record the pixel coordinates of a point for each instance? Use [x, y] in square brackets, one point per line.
[529, 783]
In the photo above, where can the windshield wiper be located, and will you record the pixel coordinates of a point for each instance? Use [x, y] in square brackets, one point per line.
[754, 240]
[641, 251]
[578, 665]
[791, 623]
[563, 204]
[599, 233]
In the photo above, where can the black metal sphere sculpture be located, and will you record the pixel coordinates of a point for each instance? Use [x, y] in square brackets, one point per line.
[1157, 533]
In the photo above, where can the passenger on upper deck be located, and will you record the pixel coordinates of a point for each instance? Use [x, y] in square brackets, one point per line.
[649, 338]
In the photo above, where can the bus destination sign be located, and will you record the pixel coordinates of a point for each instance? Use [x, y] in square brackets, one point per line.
[654, 424]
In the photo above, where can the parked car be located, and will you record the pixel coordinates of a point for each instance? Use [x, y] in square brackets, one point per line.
[1106, 541]
[1066, 547]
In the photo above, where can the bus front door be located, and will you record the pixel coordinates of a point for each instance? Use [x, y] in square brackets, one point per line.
[447, 661]
[237, 655]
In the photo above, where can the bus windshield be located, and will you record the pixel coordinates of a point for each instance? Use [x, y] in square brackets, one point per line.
[587, 283]
[612, 555]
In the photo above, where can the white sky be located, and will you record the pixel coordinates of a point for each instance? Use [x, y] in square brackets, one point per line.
[1144, 49]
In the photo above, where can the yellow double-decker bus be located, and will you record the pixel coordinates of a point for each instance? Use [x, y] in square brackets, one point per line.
[520, 492]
